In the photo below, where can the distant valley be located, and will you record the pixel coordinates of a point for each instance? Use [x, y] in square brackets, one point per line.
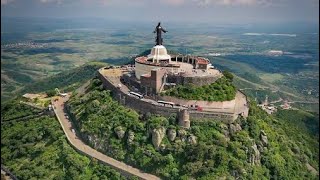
[293, 75]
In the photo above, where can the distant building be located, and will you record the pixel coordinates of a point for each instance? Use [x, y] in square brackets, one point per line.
[285, 105]
[269, 108]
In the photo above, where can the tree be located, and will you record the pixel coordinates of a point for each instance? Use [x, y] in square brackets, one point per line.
[228, 75]
[51, 93]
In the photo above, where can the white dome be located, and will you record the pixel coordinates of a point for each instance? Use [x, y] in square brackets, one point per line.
[159, 53]
[161, 50]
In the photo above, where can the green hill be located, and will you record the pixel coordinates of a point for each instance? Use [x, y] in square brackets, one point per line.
[259, 147]
[280, 146]
[65, 81]
[37, 149]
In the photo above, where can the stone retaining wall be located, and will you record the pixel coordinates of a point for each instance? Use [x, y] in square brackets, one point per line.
[145, 107]
[196, 80]
[218, 104]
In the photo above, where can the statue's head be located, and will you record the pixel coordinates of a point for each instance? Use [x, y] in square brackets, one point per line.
[159, 23]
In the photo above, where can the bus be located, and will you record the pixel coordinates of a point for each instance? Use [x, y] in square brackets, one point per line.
[136, 94]
[166, 103]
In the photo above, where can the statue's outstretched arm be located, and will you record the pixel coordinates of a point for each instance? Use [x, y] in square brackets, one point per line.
[163, 30]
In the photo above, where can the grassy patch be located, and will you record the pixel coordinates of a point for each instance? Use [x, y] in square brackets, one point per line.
[221, 90]
[271, 77]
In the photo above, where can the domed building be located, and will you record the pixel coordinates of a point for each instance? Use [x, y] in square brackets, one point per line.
[160, 70]
[139, 86]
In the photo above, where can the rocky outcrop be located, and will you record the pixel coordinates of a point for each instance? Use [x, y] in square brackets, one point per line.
[130, 137]
[157, 136]
[312, 169]
[162, 147]
[192, 139]
[182, 133]
[261, 148]
[93, 140]
[225, 131]
[264, 138]
[233, 128]
[172, 133]
[178, 141]
[119, 131]
[184, 119]
[254, 155]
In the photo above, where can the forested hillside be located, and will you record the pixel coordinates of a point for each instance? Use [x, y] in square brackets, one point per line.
[37, 149]
[259, 147]
[65, 81]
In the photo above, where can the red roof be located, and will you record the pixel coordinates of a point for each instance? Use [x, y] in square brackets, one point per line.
[141, 59]
[202, 61]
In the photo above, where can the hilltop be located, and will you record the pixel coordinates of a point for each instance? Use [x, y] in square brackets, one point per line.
[261, 146]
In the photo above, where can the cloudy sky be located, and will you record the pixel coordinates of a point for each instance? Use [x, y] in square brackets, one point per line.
[219, 11]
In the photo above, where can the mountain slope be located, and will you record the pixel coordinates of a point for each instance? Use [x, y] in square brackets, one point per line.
[259, 147]
[37, 149]
[65, 81]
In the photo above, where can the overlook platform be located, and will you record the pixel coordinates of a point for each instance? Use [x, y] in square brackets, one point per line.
[226, 111]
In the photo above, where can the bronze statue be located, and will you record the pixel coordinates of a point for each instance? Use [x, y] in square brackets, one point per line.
[158, 31]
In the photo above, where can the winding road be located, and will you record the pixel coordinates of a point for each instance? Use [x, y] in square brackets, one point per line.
[59, 110]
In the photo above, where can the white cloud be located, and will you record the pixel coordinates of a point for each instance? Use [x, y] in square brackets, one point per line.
[236, 2]
[5, 2]
[51, 1]
[174, 2]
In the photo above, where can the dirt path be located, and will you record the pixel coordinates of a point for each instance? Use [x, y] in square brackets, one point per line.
[87, 150]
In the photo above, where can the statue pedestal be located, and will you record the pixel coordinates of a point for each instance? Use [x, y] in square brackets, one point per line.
[159, 54]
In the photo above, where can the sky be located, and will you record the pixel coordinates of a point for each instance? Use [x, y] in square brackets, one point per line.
[204, 11]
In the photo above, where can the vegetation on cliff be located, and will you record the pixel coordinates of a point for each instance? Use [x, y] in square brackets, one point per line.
[259, 147]
[65, 81]
[13, 110]
[37, 149]
[221, 90]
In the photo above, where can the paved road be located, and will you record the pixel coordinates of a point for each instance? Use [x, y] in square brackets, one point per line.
[7, 174]
[81, 146]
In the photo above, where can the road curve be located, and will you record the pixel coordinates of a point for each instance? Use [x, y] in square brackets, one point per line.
[82, 147]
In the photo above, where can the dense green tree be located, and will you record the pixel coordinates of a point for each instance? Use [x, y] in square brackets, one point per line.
[221, 90]
[292, 143]
[51, 93]
[228, 75]
[37, 149]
